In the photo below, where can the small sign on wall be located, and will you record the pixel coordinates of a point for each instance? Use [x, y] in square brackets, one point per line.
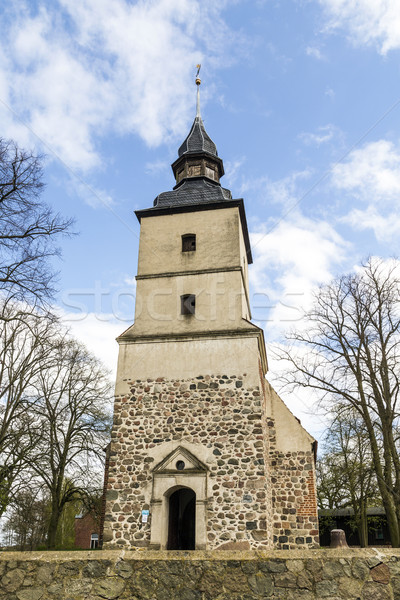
[145, 516]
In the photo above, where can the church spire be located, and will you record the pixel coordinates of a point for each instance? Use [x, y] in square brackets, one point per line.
[197, 169]
[198, 139]
[198, 156]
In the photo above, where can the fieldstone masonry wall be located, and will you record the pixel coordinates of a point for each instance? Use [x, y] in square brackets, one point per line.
[294, 501]
[255, 495]
[220, 417]
[284, 575]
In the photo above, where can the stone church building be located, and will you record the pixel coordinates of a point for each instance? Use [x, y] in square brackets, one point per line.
[204, 454]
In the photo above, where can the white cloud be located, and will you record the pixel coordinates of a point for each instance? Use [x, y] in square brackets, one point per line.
[282, 191]
[157, 167]
[290, 261]
[329, 92]
[92, 195]
[371, 174]
[303, 402]
[130, 282]
[74, 70]
[233, 170]
[324, 134]
[367, 22]
[98, 314]
[385, 228]
[386, 267]
[97, 332]
[315, 52]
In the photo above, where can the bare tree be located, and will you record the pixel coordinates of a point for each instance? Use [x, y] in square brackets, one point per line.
[72, 405]
[28, 227]
[25, 345]
[27, 519]
[346, 477]
[350, 353]
[331, 489]
[92, 502]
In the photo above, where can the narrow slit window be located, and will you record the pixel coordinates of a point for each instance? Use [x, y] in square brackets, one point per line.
[188, 304]
[188, 242]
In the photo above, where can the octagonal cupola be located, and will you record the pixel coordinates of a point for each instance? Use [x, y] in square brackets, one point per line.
[197, 155]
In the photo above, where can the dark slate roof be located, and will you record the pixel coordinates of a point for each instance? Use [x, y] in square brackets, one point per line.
[198, 140]
[193, 191]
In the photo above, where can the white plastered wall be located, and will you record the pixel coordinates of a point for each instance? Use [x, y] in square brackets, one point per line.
[290, 434]
[188, 358]
[217, 233]
[220, 303]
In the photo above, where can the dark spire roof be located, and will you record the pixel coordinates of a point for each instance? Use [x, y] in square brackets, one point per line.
[193, 191]
[198, 140]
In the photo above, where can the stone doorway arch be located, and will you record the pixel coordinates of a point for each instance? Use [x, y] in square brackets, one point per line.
[180, 469]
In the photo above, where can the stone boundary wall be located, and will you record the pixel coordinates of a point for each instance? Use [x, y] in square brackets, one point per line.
[351, 574]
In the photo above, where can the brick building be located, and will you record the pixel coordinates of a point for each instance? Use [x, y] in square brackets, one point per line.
[204, 454]
[86, 532]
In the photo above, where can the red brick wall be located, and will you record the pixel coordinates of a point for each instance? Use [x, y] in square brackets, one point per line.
[84, 528]
[103, 500]
[309, 505]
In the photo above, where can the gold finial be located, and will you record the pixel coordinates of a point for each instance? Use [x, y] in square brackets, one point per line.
[198, 80]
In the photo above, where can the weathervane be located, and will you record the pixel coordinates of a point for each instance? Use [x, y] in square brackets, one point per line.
[198, 80]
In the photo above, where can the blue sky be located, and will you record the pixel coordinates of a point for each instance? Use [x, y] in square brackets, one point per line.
[301, 97]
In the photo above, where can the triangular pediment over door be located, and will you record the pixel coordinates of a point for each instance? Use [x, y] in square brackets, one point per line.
[180, 461]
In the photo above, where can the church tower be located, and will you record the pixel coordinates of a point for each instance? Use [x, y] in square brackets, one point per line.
[204, 454]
